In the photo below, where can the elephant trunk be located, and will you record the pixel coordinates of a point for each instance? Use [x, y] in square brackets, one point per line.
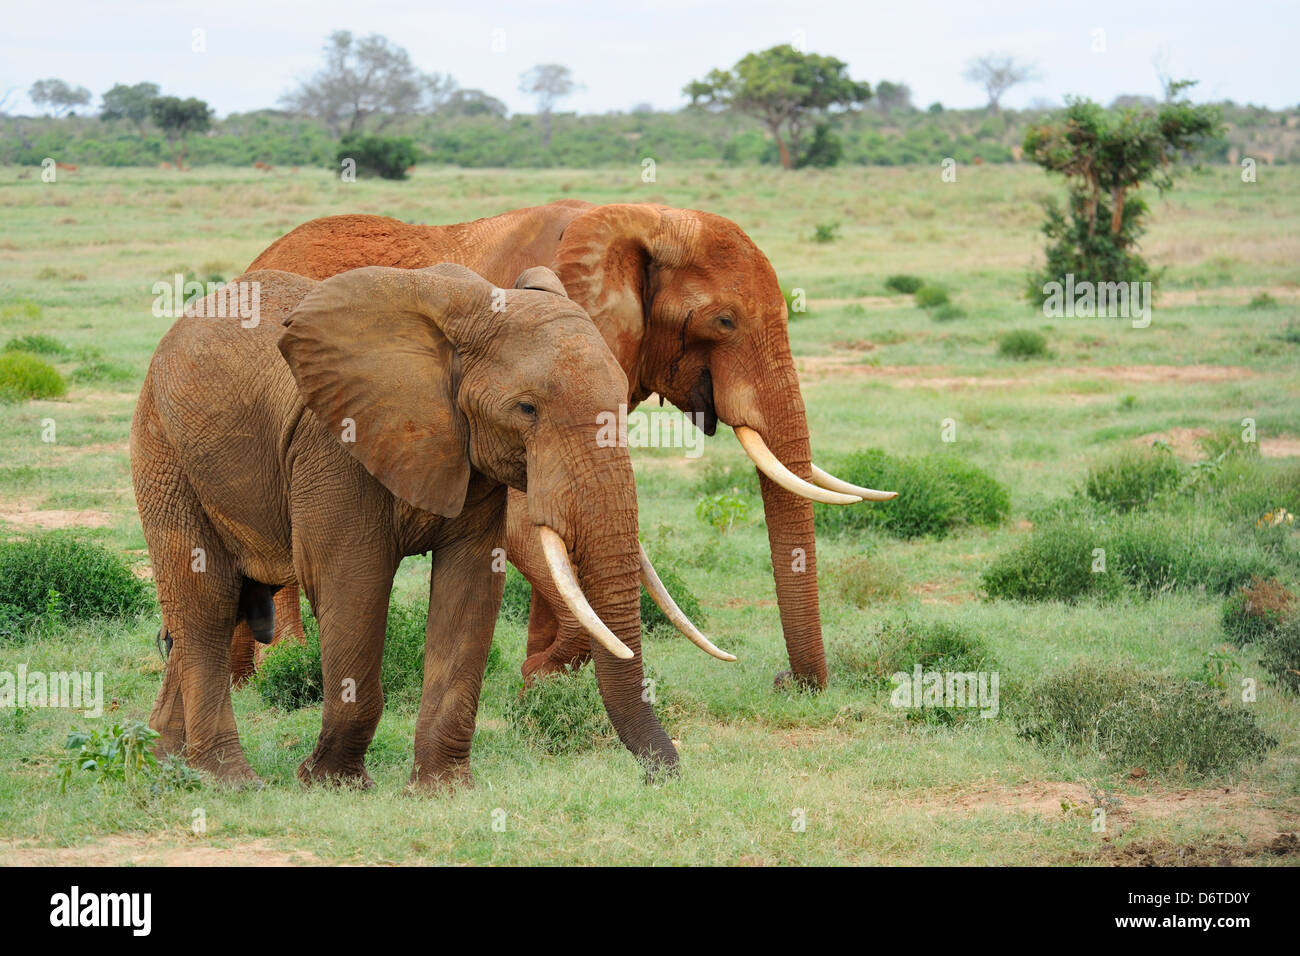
[790, 527]
[600, 527]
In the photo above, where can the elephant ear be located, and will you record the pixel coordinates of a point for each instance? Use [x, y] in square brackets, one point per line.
[374, 354]
[541, 279]
[605, 256]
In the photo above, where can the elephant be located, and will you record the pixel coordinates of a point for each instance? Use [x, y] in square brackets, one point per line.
[692, 310]
[378, 414]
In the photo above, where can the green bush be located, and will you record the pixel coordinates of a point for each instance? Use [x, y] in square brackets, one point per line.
[826, 232]
[55, 575]
[722, 511]
[518, 597]
[937, 494]
[385, 156]
[1022, 344]
[653, 621]
[900, 645]
[36, 345]
[290, 676]
[948, 313]
[24, 376]
[1280, 654]
[1146, 553]
[564, 713]
[931, 297]
[1133, 478]
[1255, 611]
[1129, 719]
[904, 284]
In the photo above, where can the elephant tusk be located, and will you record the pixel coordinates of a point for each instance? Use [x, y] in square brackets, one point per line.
[656, 589]
[566, 581]
[824, 479]
[770, 465]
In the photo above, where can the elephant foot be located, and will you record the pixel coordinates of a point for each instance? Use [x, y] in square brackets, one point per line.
[227, 768]
[437, 783]
[789, 680]
[541, 665]
[334, 774]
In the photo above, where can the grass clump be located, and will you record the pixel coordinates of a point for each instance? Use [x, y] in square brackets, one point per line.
[24, 376]
[1071, 557]
[931, 297]
[55, 578]
[904, 284]
[1133, 478]
[1256, 611]
[889, 658]
[1280, 654]
[948, 313]
[1022, 344]
[654, 622]
[518, 596]
[37, 345]
[1128, 719]
[863, 581]
[97, 370]
[941, 493]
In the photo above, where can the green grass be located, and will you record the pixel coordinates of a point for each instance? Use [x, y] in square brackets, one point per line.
[877, 787]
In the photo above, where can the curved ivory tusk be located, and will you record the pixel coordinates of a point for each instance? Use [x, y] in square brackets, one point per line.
[824, 479]
[770, 465]
[566, 581]
[656, 589]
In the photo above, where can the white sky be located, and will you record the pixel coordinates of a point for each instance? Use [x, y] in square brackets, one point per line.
[632, 51]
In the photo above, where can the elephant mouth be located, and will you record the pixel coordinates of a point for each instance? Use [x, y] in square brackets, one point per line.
[699, 402]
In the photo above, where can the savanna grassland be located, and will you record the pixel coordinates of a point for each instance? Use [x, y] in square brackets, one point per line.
[871, 783]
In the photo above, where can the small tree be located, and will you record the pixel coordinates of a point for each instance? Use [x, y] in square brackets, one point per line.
[1105, 155]
[367, 82]
[893, 96]
[57, 96]
[997, 73]
[549, 82]
[131, 103]
[178, 118]
[787, 90]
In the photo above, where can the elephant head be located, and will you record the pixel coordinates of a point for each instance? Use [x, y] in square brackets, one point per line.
[443, 376]
[693, 310]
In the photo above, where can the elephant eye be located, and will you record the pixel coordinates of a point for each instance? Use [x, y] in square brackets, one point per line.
[528, 408]
[726, 322]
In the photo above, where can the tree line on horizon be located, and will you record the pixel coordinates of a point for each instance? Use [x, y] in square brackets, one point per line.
[781, 106]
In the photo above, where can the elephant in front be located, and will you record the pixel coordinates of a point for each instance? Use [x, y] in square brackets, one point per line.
[378, 414]
[693, 312]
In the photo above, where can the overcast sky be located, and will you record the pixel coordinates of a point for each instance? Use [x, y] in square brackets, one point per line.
[627, 52]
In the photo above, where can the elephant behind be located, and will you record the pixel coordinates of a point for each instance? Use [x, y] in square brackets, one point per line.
[693, 312]
[379, 414]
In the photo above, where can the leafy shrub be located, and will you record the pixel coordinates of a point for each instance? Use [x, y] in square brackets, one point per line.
[1022, 344]
[385, 156]
[826, 232]
[564, 713]
[1133, 478]
[931, 297]
[36, 345]
[100, 370]
[24, 376]
[1256, 611]
[722, 511]
[902, 644]
[1129, 719]
[904, 284]
[120, 752]
[937, 493]
[1280, 654]
[654, 621]
[561, 714]
[863, 580]
[85, 580]
[290, 675]
[518, 597]
[1147, 553]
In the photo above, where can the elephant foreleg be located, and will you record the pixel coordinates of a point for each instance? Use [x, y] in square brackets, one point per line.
[464, 598]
